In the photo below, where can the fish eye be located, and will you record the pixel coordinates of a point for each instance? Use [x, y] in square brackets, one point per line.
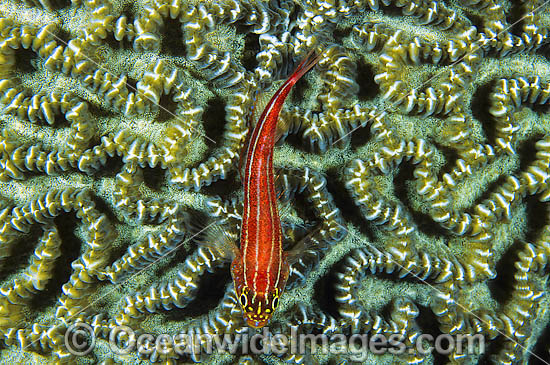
[243, 300]
[275, 303]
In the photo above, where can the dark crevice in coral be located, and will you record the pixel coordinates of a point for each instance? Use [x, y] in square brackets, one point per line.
[95, 141]
[225, 187]
[515, 18]
[196, 226]
[154, 177]
[360, 137]
[114, 44]
[62, 37]
[451, 156]
[527, 152]
[98, 111]
[71, 248]
[343, 200]
[395, 278]
[368, 89]
[295, 11]
[180, 253]
[214, 119]
[212, 287]
[167, 109]
[541, 350]
[502, 286]
[295, 232]
[21, 252]
[339, 33]
[392, 10]
[60, 4]
[428, 324]
[103, 207]
[427, 321]
[480, 105]
[476, 20]
[60, 121]
[300, 203]
[131, 84]
[537, 218]
[297, 141]
[423, 221]
[324, 294]
[541, 109]
[491, 349]
[544, 51]
[112, 167]
[172, 38]
[24, 60]
[386, 309]
[251, 49]
[130, 11]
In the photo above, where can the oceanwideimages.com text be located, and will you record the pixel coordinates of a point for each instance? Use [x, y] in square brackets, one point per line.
[122, 340]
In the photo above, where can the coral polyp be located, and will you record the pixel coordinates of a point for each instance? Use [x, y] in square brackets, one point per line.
[415, 163]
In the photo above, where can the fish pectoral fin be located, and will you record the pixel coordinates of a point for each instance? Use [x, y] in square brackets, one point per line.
[282, 130]
[309, 242]
[286, 181]
[219, 239]
[282, 188]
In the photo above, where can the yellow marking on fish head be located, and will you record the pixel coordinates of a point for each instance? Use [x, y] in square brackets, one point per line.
[258, 308]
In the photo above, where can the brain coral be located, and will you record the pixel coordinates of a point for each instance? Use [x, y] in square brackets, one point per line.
[416, 162]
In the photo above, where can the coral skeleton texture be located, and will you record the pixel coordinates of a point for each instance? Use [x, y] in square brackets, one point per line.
[416, 163]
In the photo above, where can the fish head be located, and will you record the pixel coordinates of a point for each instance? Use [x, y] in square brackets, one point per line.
[258, 307]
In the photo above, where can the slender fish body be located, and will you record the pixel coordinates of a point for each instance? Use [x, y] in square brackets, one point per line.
[260, 269]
